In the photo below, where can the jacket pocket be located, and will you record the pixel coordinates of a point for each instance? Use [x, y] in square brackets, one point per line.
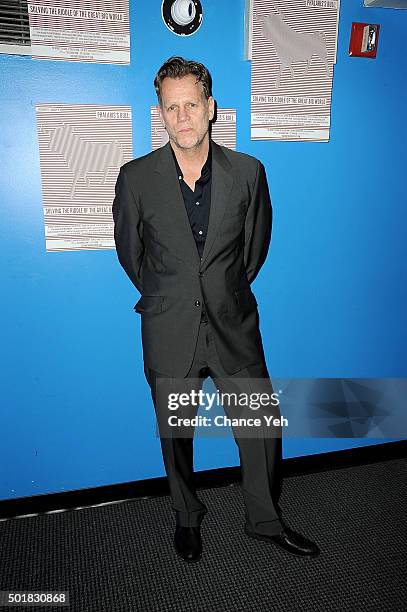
[150, 304]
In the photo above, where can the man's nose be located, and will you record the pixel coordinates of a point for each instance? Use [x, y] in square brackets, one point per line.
[182, 114]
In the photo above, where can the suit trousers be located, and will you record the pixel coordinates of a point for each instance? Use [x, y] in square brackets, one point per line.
[260, 454]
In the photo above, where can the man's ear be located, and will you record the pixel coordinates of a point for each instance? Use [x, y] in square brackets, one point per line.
[160, 114]
[211, 104]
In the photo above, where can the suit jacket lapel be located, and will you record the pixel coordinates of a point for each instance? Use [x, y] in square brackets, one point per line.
[177, 215]
[222, 182]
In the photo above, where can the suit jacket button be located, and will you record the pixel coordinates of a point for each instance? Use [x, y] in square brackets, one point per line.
[197, 303]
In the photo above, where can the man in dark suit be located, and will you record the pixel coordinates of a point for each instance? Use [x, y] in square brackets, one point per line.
[192, 230]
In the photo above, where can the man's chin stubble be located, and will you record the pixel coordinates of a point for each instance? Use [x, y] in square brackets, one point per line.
[193, 147]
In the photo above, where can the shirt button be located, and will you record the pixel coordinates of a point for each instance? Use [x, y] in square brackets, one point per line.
[200, 232]
[197, 203]
[197, 303]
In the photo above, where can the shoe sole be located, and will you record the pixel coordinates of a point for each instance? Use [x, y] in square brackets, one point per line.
[266, 539]
[187, 560]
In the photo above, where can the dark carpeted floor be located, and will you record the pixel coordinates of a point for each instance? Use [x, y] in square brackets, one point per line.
[120, 556]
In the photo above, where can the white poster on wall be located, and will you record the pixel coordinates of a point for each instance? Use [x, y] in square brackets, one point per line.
[223, 130]
[81, 150]
[92, 31]
[293, 53]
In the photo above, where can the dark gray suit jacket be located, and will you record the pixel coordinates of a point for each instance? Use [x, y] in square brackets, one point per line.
[157, 250]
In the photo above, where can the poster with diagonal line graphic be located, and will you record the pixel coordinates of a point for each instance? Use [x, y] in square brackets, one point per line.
[293, 54]
[81, 150]
[91, 31]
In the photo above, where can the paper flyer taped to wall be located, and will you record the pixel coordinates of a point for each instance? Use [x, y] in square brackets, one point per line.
[81, 150]
[95, 31]
[293, 54]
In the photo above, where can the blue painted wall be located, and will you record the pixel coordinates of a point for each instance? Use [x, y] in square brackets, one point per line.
[76, 411]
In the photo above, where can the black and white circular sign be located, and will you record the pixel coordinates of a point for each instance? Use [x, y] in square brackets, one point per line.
[182, 17]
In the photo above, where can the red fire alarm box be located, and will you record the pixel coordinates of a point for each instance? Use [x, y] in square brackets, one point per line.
[363, 40]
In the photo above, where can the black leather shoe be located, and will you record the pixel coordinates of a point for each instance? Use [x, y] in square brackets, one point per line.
[290, 541]
[188, 543]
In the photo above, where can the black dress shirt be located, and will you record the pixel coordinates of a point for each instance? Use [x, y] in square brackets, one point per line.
[198, 202]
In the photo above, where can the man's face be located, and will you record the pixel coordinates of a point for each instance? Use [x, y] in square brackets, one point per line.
[185, 111]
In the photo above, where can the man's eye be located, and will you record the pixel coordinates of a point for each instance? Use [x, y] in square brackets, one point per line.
[171, 108]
